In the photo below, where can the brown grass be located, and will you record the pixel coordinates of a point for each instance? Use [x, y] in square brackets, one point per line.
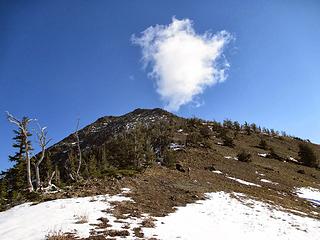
[115, 233]
[148, 222]
[81, 218]
[58, 235]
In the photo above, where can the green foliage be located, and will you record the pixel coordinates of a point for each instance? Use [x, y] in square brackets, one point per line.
[46, 168]
[193, 139]
[205, 131]
[244, 156]
[227, 123]
[17, 176]
[170, 158]
[307, 155]
[216, 126]
[254, 127]
[227, 141]
[194, 122]
[263, 144]
[19, 139]
[236, 126]
[247, 128]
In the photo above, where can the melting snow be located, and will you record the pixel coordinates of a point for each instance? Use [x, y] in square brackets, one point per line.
[268, 181]
[263, 155]
[34, 222]
[244, 182]
[261, 174]
[175, 146]
[224, 217]
[220, 216]
[311, 194]
[229, 157]
[293, 159]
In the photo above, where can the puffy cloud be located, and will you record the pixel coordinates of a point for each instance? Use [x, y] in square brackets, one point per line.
[182, 62]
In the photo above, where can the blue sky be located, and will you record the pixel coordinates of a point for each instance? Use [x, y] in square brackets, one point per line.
[63, 60]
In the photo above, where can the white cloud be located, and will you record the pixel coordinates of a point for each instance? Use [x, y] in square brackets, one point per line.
[183, 63]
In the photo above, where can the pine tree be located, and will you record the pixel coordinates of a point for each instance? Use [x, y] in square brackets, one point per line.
[263, 144]
[307, 155]
[21, 157]
[92, 166]
[47, 166]
[247, 128]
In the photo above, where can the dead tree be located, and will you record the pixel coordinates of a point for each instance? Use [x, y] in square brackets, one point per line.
[79, 150]
[43, 142]
[23, 126]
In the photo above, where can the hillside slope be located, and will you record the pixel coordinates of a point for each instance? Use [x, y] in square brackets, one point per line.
[168, 161]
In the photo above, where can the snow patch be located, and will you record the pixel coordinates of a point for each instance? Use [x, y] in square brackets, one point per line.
[229, 157]
[224, 217]
[293, 159]
[260, 174]
[268, 181]
[264, 155]
[244, 182]
[310, 194]
[34, 222]
[176, 147]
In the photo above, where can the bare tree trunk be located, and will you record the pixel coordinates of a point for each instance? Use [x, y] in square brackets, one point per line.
[50, 179]
[79, 149]
[28, 166]
[38, 181]
[43, 142]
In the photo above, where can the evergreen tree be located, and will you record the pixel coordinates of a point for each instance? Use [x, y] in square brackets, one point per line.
[263, 144]
[236, 126]
[244, 156]
[21, 159]
[307, 155]
[247, 128]
[92, 166]
[254, 127]
[47, 168]
[227, 124]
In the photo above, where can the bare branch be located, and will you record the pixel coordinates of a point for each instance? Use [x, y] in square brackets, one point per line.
[43, 142]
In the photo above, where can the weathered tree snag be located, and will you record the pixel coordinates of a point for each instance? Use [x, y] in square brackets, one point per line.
[43, 142]
[23, 125]
[79, 149]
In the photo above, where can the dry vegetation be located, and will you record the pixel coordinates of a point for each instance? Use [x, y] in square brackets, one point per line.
[183, 175]
[58, 235]
[81, 217]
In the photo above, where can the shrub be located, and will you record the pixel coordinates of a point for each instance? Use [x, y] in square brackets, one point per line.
[274, 155]
[205, 131]
[228, 141]
[169, 158]
[263, 144]
[193, 139]
[148, 223]
[244, 156]
[81, 218]
[307, 155]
